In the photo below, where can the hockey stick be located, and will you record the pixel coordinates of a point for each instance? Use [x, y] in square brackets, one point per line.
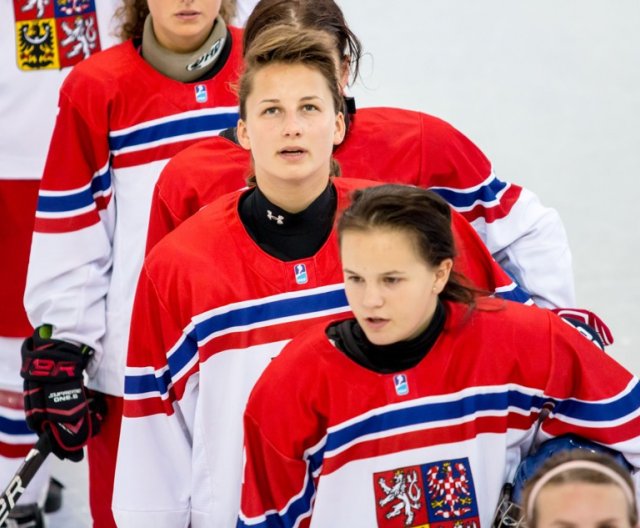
[23, 476]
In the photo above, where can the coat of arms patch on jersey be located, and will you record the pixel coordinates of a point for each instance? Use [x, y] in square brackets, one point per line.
[438, 494]
[54, 34]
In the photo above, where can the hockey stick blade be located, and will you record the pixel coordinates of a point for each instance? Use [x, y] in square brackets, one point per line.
[23, 476]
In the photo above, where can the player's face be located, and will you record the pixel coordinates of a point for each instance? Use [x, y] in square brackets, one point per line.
[392, 291]
[183, 25]
[582, 505]
[291, 128]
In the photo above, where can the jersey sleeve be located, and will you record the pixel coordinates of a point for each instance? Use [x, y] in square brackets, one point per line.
[277, 490]
[163, 217]
[192, 179]
[71, 251]
[474, 261]
[526, 238]
[282, 463]
[599, 400]
[153, 482]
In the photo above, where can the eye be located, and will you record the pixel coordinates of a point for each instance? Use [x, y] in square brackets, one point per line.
[271, 110]
[391, 280]
[310, 107]
[354, 279]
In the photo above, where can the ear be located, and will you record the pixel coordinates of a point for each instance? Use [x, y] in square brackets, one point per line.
[443, 271]
[338, 134]
[345, 66]
[243, 135]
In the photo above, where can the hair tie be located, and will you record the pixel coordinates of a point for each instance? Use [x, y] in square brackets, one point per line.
[580, 464]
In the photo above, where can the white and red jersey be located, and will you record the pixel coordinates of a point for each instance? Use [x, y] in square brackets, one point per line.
[331, 443]
[119, 121]
[402, 146]
[39, 42]
[211, 311]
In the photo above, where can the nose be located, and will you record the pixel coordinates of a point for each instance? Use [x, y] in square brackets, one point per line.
[372, 297]
[291, 127]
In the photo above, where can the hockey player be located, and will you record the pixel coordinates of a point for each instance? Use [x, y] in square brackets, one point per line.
[416, 410]
[222, 294]
[394, 145]
[36, 54]
[581, 489]
[122, 114]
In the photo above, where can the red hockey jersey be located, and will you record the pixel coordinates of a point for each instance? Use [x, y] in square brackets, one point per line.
[331, 443]
[402, 146]
[119, 122]
[211, 310]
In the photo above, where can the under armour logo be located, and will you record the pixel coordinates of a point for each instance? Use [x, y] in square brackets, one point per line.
[279, 219]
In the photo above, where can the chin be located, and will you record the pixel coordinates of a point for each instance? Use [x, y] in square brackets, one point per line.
[381, 339]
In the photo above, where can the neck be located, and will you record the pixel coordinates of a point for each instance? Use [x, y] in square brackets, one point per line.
[188, 66]
[292, 197]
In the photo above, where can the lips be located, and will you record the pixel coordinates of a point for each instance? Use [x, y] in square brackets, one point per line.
[375, 323]
[187, 14]
[292, 150]
[292, 153]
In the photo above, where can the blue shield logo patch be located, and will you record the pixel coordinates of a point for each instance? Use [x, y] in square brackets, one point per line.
[201, 93]
[300, 272]
[401, 384]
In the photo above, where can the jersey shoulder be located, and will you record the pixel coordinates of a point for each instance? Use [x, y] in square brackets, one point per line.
[199, 237]
[105, 67]
[392, 123]
[214, 166]
[301, 364]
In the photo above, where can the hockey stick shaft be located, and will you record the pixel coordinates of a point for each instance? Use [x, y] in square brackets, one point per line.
[24, 475]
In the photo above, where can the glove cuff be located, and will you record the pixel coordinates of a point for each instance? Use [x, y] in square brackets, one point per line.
[52, 360]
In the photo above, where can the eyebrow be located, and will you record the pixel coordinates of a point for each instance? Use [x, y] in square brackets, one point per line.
[601, 524]
[305, 98]
[392, 272]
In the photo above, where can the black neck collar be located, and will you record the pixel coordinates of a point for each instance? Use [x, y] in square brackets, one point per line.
[289, 236]
[349, 337]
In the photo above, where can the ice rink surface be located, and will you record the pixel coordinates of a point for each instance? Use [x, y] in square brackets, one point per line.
[550, 91]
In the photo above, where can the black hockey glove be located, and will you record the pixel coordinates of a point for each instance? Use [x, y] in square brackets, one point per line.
[55, 398]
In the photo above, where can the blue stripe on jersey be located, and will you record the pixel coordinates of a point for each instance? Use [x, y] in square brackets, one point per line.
[184, 353]
[68, 202]
[601, 411]
[430, 412]
[102, 181]
[270, 311]
[146, 383]
[186, 349]
[174, 128]
[517, 294]
[75, 200]
[14, 427]
[460, 198]
[296, 510]
[179, 358]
